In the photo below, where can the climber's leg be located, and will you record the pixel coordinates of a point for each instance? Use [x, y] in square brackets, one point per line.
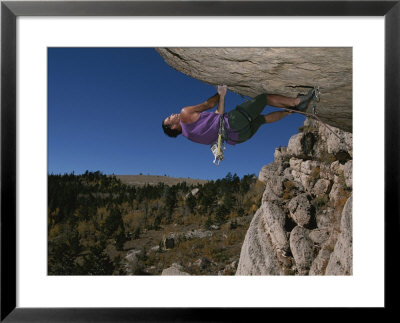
[280, 101]
[275, 116]
[248, 131]
[255, 106]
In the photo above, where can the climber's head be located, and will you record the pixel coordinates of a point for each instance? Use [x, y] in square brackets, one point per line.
[171, 125]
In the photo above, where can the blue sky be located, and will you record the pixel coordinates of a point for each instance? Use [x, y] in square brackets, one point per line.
[105, 108]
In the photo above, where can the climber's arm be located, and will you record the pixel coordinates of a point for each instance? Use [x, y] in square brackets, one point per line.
[191, 113]
[221, 103]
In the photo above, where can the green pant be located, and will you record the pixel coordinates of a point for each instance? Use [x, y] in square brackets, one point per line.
[238, 121]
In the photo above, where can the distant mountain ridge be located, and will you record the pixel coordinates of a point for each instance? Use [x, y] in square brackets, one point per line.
[141, 180]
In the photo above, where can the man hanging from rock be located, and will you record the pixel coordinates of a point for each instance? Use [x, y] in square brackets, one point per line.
[200, 126]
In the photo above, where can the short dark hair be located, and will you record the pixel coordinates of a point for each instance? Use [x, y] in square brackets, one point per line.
[170, 132]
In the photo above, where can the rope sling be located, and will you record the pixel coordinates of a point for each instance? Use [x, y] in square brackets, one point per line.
[219, 146]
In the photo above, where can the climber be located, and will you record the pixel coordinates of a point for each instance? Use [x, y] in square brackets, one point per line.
[200, 126]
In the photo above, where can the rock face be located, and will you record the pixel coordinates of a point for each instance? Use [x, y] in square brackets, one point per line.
[258, 256]
[341, 260]
[302, 249]
[285, 71]
[304, 224]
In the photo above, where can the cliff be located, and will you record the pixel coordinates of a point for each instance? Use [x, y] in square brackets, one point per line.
[304, 225]
[285, 71]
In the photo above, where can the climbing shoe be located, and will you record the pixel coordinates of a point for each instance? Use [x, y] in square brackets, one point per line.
[304, 100]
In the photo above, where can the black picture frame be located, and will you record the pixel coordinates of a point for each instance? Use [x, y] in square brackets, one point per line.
[10, 10]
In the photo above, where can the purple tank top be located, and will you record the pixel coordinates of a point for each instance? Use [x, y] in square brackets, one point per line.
[205, 129]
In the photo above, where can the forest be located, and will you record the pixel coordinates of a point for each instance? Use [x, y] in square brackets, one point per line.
[95, 221]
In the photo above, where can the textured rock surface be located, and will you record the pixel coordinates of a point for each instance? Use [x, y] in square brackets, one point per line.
[174, 270]
[286, 71]
[304, 224]
[319, 235]
[341, 260]
[275, 225]
[319, 264]
[300, 210]
[258, 255]
[321, 187]
[131, 261]
[302, 249]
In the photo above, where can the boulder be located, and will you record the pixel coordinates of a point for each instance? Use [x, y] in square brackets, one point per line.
[343, 142]
[131, 261]
[320, 262]
[302, 249]
[295, 163]
[267, 172]
[319, 236]
[335, 193]
[308, 166]
[174, 270]
[295, 147]
[131, 255]
[348, 173]
[273, 188]
[341, 260]
[281, 153]
[200, 233]
[325, 171]
[324, 218]
[258, 256]
[337, 167]
[300, 210]
[275, 225]
[287, 174]
[269, 194]
[321, 187]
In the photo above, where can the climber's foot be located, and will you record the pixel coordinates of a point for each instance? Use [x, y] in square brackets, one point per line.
[304, 100]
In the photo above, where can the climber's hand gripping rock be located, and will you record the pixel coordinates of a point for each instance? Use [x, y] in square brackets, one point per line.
[222, 90]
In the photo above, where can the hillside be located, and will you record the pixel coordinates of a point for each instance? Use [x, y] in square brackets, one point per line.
[100, 226]
[140, 180]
